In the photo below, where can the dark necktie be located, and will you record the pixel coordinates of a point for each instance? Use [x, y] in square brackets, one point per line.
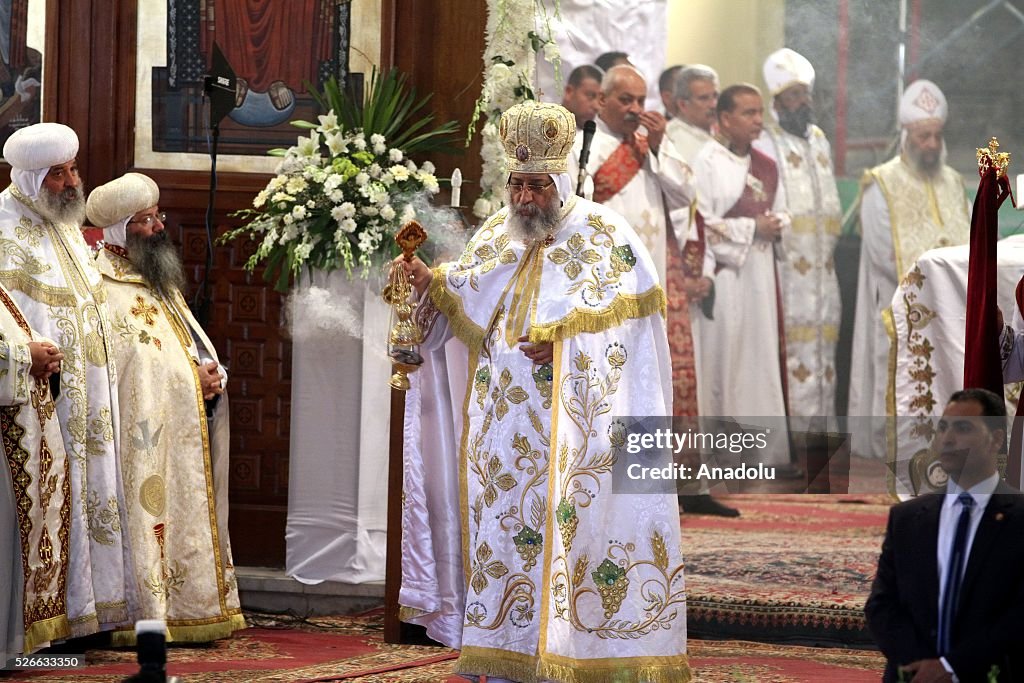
[954, 571]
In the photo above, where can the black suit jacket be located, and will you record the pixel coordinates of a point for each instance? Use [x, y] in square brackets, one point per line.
[902, 610]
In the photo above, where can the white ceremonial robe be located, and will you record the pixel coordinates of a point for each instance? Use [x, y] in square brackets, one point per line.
[738, 369]
[169, 453]
[687, 138]
[901, 217]
[49, 272]
[35, 499]
[810, 290]
[663, 185]
[515, 548]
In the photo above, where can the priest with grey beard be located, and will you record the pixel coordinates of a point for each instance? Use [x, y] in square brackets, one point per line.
[173, 421]
[46, 266]
[549, 325]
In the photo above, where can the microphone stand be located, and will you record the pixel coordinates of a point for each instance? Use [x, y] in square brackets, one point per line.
[201, 303]
[589, 128]
[219, 90]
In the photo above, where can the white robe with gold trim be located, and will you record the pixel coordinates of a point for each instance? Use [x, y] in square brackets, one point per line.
[901, 217]
[179, 535]
[517, 550]
[35, 499]
[48, 271]
[810, 290]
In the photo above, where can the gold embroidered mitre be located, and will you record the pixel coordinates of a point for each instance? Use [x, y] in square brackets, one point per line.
[537, 137]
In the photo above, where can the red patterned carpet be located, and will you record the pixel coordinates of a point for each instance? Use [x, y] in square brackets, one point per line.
[790, 569]
[279, 650]
[349, 649]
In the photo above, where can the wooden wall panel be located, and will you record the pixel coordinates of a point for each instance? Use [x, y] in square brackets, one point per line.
[440, 44]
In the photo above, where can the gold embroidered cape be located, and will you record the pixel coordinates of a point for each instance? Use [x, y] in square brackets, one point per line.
[562, 579]
[48, 271]
[36, 496]
[902, 216]
[169, 463]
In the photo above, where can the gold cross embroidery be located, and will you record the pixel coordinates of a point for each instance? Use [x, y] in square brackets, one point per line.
[794, 159]
[143, 310]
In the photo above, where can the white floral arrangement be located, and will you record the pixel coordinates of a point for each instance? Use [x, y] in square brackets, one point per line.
[336, 199]
[513, 41]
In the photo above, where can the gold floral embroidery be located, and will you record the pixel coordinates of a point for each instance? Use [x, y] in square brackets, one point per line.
[104, 519]
[483, 567]
[602, 231]
[574, 257]
[505, 393]
[585, 395]
[26, 231]
[919, 316]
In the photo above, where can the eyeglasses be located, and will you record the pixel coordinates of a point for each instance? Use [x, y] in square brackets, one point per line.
[516, 187]
[147, 221]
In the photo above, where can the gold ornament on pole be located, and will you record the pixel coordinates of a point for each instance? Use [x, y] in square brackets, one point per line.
[991, 157]
[405, 336]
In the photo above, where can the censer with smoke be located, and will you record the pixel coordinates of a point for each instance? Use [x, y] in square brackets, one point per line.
[405, 336]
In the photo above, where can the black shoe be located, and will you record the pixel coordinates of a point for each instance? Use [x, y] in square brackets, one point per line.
[788, 471]
[706, 505]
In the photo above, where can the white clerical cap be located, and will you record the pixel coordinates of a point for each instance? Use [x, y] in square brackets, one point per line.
[32, 150]
[41, 146]
[922, 101]
[785, 68]
[112, 205]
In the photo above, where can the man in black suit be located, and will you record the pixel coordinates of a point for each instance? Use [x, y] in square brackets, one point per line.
[928, 623]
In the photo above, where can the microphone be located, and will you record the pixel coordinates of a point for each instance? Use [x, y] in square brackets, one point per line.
[588, 136]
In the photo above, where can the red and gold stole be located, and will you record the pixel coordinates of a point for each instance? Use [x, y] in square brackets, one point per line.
[620, 168]
[682, 264]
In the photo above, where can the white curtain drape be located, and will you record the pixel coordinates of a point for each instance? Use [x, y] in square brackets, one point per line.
[589, 28]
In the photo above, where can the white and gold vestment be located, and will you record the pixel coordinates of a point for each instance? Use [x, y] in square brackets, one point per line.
[173, 460]
[48, 270]
[516, 548]
[810, 290]
[903, 215]
[35, 498]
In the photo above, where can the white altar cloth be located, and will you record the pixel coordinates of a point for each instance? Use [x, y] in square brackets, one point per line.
[338, 465]
[929, 319]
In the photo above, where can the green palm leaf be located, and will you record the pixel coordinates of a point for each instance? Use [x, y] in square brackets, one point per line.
[390, 108]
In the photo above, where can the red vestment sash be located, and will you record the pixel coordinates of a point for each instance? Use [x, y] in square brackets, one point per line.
[752, 203]
[680, 336]
[620, 168]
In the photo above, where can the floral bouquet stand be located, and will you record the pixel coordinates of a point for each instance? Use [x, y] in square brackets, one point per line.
[324, 227]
